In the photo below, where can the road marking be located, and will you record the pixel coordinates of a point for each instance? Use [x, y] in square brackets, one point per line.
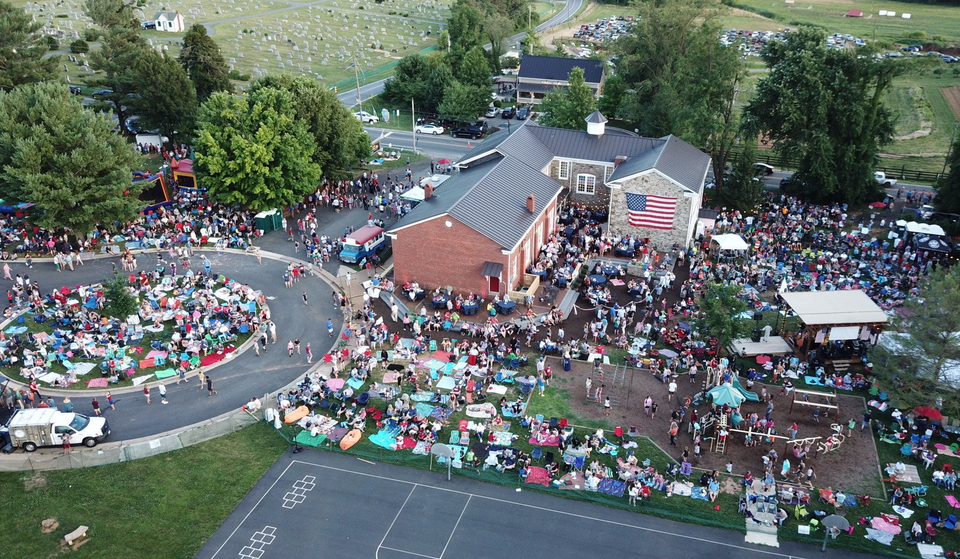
[548, 509]
[415, 485]
[406, 552]
[253, 508]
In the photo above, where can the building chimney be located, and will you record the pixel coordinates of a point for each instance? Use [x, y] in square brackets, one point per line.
[427, 191]
[531, 203]
[618, 160]
[596, 123]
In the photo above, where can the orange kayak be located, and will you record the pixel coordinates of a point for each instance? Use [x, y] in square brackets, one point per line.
[350, 439]
[296, 415]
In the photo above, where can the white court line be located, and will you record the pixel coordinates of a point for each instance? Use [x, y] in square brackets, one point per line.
[565, 513]
[455, 527]
[264, 496]
[394, 518]
[406, 552]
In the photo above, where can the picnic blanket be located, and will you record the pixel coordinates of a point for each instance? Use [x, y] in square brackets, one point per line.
[485, 410]
[610, 486]
[682, 489]
[391, 378]
[903, 511]
[14, 330]
[882, 406]
[441, 413]
[422, 448]
[156, 353]
[337, 433]
[573, 480]
[459, 451]
[406, 443]
[551, 440]
[952, 501]
[699, 493]
[97, 383]
[446, 383]
[137, 381]
[497, 389]
[502, 438]
[539, 475]
[424, 410]
[507, 412]
[423, 396]
[910, 474]
[334, 383]
[82, 369]
[386, 438]
[880, 536]
[813, 381]
[881, 524]
[354, 383]
[165, 373]
[216, 357]
[306, 439]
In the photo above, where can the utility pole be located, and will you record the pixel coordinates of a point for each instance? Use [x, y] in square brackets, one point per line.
[530, 16]
[356, 73]
[413, 118]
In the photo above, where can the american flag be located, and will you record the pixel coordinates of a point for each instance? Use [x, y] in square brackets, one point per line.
[655, 212]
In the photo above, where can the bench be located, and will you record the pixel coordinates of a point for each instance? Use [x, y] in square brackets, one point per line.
[76, 535]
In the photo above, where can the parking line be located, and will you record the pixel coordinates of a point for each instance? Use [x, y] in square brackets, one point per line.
[394, 518]
[455, 526]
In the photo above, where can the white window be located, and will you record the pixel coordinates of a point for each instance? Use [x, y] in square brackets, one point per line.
[607, 171]
[564, 170]
[586, 184]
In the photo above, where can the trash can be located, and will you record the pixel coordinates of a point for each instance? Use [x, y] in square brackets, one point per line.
[268, 221]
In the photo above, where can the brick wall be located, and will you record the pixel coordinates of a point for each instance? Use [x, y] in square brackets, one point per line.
[437, 256]
[602, 194]
[655, 184]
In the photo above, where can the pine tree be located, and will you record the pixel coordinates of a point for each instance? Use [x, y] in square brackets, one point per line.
[120, 303]
[22, 49]
[204, 63]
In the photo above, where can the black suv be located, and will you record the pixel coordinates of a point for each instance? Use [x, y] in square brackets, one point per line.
[523, 113]
[470, 131]
[508, 112]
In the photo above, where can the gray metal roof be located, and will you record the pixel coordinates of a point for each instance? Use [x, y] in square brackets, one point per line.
[577, 144]
[558, 69]
[518, 141]
[596, 117]
[674, 158]
[491, 269]
[535, 87]
[490, 198]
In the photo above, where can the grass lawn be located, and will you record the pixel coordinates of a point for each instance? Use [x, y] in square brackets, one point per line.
[162, 507]
[933, 19]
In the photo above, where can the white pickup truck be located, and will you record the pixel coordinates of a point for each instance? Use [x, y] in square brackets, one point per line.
[33, 428]
[883, 180]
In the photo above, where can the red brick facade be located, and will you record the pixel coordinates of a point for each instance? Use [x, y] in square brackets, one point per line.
[439, 256]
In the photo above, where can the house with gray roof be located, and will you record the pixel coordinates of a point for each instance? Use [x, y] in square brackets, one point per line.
[171, 22]
[486, 225]
[539, 75]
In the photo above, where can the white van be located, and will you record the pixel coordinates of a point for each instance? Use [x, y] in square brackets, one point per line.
[33, 428]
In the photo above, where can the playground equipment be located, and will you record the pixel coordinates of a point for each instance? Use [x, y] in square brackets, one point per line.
[832, 442]
[804, 401]
[155, 193]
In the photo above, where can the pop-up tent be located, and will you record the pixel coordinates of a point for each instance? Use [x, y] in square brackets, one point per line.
[415, 194]
[730, 241]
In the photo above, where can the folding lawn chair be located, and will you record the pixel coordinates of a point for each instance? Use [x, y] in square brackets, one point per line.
[537, 453]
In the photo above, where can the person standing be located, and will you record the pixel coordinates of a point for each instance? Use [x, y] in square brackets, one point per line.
[110, 401]
[305, 299]
[210, 390]
[647, 402]
[588, 383]
[296, 345]
[6, 272]
[273, 330]
[330, 327]
[146, 392]
[163, 393]
[606, 406]
[290, 348]
[96, 406]
[674, 429]
[309, 353]
[671, 390]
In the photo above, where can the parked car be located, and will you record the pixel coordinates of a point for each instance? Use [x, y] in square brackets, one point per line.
[429, 129]
[884, 180]
[366, 118]
[523, 113]
[473, 131]
[508, 112]
[492, 112]
[763, 169]
[102, 93]
[149, 25]
[75, 90]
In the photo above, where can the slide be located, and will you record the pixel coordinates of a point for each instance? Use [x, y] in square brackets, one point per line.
[751, 396]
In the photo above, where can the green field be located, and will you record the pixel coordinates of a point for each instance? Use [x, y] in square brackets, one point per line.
[932, 19]
[163, 507]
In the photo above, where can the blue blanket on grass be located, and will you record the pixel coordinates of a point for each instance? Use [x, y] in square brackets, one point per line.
[385, 437]
[610, 486]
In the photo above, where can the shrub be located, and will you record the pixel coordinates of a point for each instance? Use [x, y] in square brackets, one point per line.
[236, 75]
[91, 35]
[79, 46]
[918, 35]
[52, 42]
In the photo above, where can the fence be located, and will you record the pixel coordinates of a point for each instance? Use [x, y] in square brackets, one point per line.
[114, 453]
[770, 157]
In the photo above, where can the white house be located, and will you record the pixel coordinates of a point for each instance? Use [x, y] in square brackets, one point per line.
[169, 21]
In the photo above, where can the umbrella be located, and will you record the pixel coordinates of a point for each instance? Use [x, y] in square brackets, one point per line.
[726, 394]
[668, 352]
[878, 205]
[928, 412]
[443, 161]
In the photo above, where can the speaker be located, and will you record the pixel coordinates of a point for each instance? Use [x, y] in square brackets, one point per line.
[758, 316]
[756, 335]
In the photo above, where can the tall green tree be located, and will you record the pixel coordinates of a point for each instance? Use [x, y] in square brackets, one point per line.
[65, 158]
[921, 365]
[742, 189]
[204, 63]
[22, 49]
[253, 151]
[341, 142]
[120, 302]
[463, 102]
[465, 26]
[679, 74]
[117, 62]
[614, 88]
[474, 69]
[498, 29]
[825, 108]
[437, 83]
[409, 80]
[948, 188]
[114, 13]
[720, 309]
[568, 107]
[170, 109]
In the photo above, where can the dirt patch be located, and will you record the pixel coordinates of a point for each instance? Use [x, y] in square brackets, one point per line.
[852, 467]
[36, 481]
[49, 525]
[952, 96]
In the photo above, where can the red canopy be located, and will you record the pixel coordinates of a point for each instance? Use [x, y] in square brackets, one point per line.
[928, 412]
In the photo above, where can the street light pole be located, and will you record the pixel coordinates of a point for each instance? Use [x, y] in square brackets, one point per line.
[413, 118]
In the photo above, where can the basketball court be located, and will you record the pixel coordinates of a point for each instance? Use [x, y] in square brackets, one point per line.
[320, 504]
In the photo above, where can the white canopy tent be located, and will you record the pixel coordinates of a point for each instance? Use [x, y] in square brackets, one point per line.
[730, 241]
[835, 308]
[415, 194]
[922, 228]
